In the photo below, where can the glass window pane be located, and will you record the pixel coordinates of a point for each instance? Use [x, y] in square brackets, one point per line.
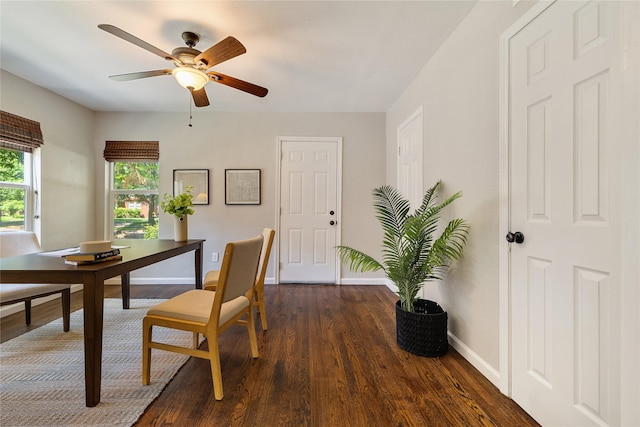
[135, 216]
[12, 203]
[135, 175]
[11, 165]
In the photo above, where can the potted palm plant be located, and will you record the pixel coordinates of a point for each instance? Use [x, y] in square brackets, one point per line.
[413, 253]
[179, 206]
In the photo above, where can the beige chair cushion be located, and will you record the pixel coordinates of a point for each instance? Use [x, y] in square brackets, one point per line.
[211, 278]
[195, 305]
[17, 291]
[14, 243]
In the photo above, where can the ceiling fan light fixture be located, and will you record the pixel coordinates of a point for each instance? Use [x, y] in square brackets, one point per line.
[188, 77]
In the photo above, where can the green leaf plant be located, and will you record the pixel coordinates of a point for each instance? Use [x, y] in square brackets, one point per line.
[412, 254]
[179, 205]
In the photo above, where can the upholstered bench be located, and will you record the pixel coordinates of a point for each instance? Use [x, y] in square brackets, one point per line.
[16, 243]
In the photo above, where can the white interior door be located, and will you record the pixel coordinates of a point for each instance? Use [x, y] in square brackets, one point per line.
[410, 162]
[564, 198]
[309, 210]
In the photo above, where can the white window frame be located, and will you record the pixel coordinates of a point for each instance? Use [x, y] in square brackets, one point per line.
[30, 186]
[113, 193]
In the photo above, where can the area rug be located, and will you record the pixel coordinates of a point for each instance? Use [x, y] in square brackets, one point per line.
[42, 371]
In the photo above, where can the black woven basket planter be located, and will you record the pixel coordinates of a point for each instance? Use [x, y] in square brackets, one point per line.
[424, 332]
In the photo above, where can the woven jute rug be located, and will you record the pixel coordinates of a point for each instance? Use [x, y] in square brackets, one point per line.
[42, 371]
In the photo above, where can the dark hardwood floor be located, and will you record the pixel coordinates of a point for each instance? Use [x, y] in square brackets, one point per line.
[329, 358]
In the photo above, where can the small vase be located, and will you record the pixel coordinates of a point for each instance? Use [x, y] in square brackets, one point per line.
[180, 228]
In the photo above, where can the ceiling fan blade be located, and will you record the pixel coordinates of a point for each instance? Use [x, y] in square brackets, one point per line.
[200, 98]
[239, 84]
[220, 52]
[139, 75]
[138, 42]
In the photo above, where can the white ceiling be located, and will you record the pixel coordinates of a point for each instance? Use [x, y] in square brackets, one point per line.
[313, 56]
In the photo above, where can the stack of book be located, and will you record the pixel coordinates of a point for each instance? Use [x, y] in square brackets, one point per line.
[84, 258]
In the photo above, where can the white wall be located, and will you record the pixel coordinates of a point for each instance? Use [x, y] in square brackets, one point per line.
[74, 171]
[68, 209]
[458, 90]
[246, 140]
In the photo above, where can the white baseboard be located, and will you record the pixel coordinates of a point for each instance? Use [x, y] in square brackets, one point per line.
[361, 282]
[19, 306]
[191, 280]
[166, 281]
[478, 362]
[153, 281]
[392, 286]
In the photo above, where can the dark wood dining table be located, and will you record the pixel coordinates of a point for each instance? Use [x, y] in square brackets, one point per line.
[37, 268]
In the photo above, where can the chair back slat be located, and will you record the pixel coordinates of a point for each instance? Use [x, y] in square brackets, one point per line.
[237, 276]
[267, 235]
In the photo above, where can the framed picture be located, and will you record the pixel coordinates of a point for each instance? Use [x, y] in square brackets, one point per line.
[197, 179]
[242, 186]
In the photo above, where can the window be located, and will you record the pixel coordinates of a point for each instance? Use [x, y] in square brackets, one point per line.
[134, 181]
[15, 190]
[134, 192]
[20, 140]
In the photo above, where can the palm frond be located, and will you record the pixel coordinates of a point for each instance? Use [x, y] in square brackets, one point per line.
[428, 199]
[358, 260]
[449, 246]
[391, 208]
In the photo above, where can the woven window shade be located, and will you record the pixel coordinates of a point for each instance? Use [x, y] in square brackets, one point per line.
[18, 133]
[132, 151]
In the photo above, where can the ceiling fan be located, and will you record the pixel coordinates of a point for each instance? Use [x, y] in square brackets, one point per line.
[191, 65]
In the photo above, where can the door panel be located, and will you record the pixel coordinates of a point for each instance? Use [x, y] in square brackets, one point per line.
[565, 275]
[410, 162]
[309, 202]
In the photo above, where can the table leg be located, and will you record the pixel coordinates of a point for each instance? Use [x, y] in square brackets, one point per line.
[125, 281]
[198, 256]
[93, 298]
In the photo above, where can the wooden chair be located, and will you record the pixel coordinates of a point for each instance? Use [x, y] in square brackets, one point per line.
[209, 313]
[211, 278]
[14, 243]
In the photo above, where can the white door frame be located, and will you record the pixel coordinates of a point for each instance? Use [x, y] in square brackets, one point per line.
[338, 141]
[505, 213]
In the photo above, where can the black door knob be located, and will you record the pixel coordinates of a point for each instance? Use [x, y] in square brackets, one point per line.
[517, 237]
[332, 223]
[332, 213]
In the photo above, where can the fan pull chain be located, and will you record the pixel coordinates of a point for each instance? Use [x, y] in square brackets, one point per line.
[190, 114]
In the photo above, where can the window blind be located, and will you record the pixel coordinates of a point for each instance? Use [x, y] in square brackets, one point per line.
[18, 133]
[132, 151]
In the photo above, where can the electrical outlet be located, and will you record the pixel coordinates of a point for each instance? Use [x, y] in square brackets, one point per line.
[214, 256]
